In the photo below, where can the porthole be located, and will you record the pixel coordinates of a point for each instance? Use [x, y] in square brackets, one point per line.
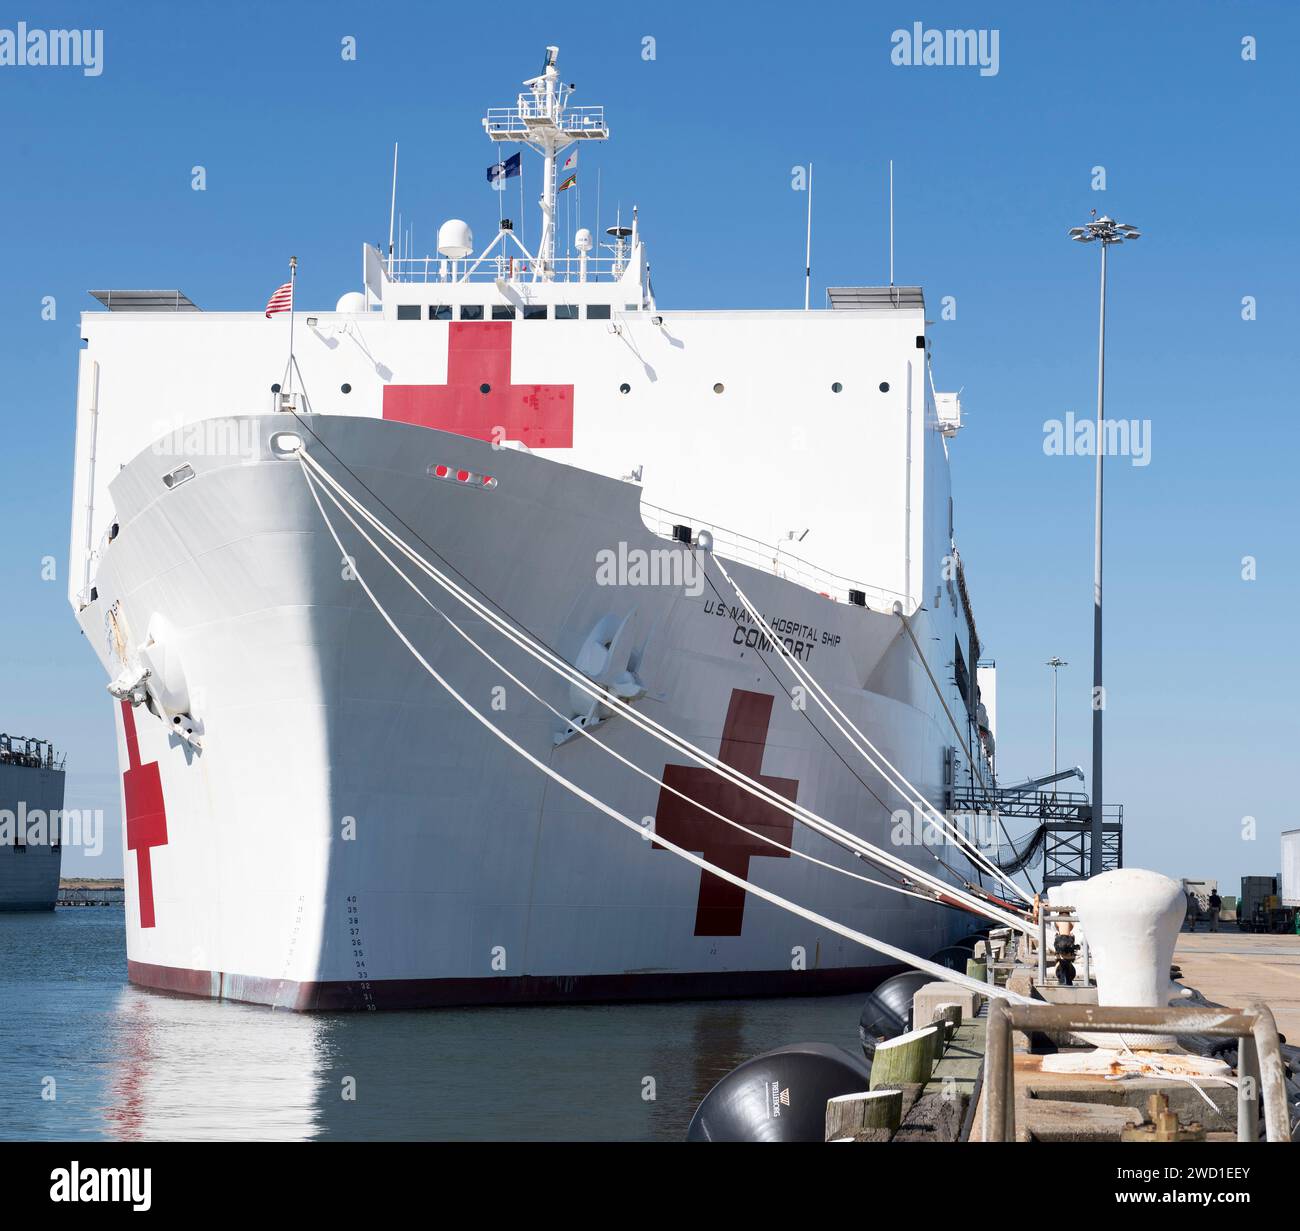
[718, 388]
[485, 388]
[625, 388]
[345, 388]
[275, 388]
[884, 386]
[837, 387]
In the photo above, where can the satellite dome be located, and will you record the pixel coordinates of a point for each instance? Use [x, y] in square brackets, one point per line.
[582, 240]
[455, 239]
[353, 301]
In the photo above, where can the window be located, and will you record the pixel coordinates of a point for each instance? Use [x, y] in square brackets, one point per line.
[408, 311]
[471, 311]
[566, 311]
[503, 311]
[718, 388]
[625, 388]
[534, 311]
[598, 311]
[837, 387]
[440, 311]
[632, 307]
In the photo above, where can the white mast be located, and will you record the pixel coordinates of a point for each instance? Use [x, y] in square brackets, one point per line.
[542, 119]
[807, 268]
[392, 210]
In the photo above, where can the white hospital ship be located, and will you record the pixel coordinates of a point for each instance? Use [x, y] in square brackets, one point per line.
[314, 819]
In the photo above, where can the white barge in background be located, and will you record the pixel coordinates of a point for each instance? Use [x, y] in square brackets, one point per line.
[311, 822]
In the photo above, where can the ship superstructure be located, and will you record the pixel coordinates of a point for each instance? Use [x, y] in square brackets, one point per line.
[311, 822]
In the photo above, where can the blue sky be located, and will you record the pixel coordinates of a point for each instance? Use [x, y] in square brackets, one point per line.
[1197, 147]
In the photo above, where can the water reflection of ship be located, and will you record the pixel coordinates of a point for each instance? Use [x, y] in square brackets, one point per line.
[188, 1069]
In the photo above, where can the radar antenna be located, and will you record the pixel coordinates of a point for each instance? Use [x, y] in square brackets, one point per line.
[543, 120]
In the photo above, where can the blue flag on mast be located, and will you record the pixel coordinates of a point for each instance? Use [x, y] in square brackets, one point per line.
[499, 172]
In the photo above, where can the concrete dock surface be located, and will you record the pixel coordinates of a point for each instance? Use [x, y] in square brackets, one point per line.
[1231, 967]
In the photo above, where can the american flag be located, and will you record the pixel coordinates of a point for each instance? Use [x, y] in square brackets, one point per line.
[281, 301]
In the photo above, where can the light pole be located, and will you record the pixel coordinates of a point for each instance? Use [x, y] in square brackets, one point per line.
[1056, 664]
[1109, 232]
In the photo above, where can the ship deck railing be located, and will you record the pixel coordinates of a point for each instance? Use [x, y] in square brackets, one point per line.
[517, 123]
[27, 751]
[444, 271]
[772, 558]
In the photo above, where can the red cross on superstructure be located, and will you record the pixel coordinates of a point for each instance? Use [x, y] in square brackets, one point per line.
[721, 907]
[478, 399]
[146, 815]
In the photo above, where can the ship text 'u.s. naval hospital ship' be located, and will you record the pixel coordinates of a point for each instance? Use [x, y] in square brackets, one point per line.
[447, 627]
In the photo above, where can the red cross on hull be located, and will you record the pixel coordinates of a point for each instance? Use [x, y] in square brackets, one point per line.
[720, 910]
[478, 358]
[146, 814]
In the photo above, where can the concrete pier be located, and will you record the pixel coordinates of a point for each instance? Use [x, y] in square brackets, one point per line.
[1232, 967]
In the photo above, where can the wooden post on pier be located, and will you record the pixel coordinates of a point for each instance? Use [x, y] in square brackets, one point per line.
[909, 1058]
[947, 1017]
[871, 1112]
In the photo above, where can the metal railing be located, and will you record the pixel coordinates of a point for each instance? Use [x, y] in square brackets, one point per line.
[529, 112]
[1062, 914]
[28, 752]
[1259, 1057]
[771, 558]
[438, 269]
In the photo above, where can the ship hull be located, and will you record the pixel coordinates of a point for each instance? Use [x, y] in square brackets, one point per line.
[31, 804]
[347, 836]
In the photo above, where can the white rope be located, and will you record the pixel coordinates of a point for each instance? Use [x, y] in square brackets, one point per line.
[941, 973]
[952, 722]
[573, 676]
[548, 658]
[679, 744]
[824, 699]
[586, 734]
[898, 781]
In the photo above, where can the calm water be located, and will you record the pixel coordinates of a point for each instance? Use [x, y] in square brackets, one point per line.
[135, 1065]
